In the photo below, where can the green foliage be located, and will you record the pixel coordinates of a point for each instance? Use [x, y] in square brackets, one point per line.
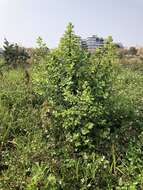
[77, 124]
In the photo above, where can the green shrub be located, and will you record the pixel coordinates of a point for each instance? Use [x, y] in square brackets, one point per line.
[77, 88]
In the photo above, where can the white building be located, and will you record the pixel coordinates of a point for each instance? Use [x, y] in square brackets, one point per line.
[93, 42]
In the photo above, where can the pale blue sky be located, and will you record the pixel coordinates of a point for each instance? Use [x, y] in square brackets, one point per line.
[23, 21]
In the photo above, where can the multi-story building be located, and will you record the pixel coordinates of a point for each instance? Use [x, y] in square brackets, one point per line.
[93, 42]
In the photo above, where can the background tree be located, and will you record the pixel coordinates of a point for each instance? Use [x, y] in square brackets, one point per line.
[14, 55]
[40, 51]
[132, 51]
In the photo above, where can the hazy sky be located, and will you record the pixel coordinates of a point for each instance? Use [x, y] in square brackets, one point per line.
[23, 21]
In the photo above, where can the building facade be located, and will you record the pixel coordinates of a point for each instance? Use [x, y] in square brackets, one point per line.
[93, 42]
